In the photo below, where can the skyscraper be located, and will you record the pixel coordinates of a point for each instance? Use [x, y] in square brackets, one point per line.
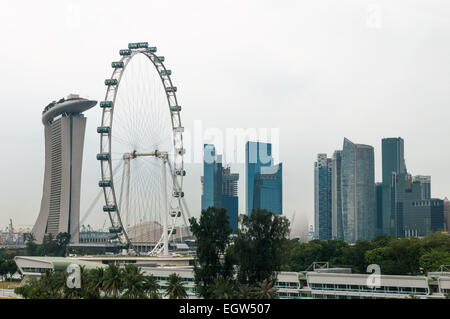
[230, 200]
[358, 191]
[336, 195]
[219, 185]
[64, 128]
[393, 169]
[379, 208]
[447, 214]
[423, 216]
[263, 183]
[212, 178]
[323, 197]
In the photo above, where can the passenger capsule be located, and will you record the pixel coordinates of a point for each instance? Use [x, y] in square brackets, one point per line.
[133, 45]
[179, 129]
[181, 151]
[161, 59]
[104, 183]
[125, 52]
[171, 89]
[175, 108]
[166, 72]
[117, 65]
[178, 194]
[111, 82]
[181, 173]
[173, 231]
[175, 214]
[109, 208]
[103, 129]
[106, 104]
[103, 156]
[152, 49]
[115, 230]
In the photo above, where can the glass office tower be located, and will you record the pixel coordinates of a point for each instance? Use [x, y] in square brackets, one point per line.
[323, 197]
[393, 169]
[358, 192]
[337, 231]
[219, 185]
[263, 183]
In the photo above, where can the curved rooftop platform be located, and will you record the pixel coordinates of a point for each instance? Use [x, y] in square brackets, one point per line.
[72, 105]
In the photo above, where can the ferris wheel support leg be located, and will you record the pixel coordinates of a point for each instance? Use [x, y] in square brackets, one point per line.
[164, 199]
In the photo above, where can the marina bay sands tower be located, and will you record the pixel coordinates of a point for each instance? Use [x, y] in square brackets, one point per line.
[64, 127]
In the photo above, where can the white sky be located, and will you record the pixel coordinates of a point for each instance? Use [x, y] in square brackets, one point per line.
[317, 70]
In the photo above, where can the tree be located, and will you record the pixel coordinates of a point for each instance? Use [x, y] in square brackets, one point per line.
[62, 240]
[113, 283]
[212, 232]
[151, 287]
[245, 292]
[30, 244]
[8, 267]
[265, 290]
[431, 261]
[223, 288]
[175, 288]
[49, 246]
[133, 279]
[260, 247]
[93, 283]
[355, 256]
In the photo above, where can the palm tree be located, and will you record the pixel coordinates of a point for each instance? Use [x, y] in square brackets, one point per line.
[51, 284]
[175, 288]
[134, 282]
[245, 292]
[265, 290]
[223, 288]
[94, 283]
[151, 287]
[113, 283]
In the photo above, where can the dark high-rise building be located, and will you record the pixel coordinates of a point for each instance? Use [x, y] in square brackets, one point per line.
[230, 200]
[393, 169]
[323, 197]
[219, 185]
[423, 216]
[447, 214]
[336, 195]
[212, 178]
[379, 208]
[263, 184]
[64, 127]
[358, 192]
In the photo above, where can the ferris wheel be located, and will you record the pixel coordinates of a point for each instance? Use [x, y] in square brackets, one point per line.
[141, 133]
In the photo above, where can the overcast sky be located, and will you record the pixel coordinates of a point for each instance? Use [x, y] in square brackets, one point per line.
[318, 71]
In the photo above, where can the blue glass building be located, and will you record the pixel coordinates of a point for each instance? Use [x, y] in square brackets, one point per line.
[219, 185]
[264, 180]
[393, 170]
[323, 197]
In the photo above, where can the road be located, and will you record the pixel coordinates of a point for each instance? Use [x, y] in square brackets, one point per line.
[8, 293]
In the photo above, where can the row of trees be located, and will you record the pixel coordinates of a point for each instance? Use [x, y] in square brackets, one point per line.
[245, 266]
[128, 282]
[8, 267]
[51, 246]
[396, 256]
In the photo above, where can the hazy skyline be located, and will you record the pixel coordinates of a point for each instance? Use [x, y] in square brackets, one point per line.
[318, 71]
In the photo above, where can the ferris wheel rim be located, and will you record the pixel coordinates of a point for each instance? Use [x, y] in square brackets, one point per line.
[106, 138]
